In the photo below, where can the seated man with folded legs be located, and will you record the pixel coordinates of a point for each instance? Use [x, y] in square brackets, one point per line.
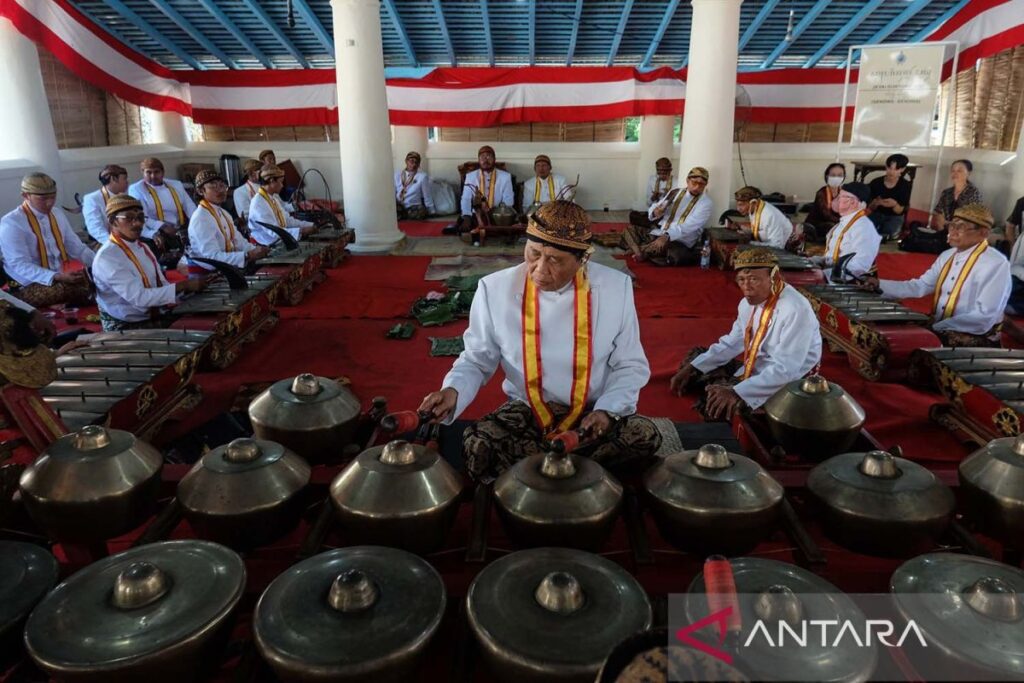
[677, 224]
[113, 180]
[38, 247]
[565, 333]
[658, 185]
[131, 288]
[488, 184]
[765, 224]
[211, 231]
[853, 235]
[412, 190]
[545, 186]
[775, 340]
[969, 283]
[266, 208]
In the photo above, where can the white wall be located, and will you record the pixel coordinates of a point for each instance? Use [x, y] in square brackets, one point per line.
[607, 170]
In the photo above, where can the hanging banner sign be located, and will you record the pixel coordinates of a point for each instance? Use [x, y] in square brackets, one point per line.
[897, 91]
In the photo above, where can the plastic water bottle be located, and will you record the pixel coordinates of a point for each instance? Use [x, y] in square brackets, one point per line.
[705, 255]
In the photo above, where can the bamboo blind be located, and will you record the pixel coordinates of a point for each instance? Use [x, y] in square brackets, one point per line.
[78, 109]
[270, 133]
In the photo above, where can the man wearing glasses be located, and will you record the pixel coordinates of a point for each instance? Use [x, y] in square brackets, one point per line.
[677, 223]
[41, 252]
[969, 283]
[211, 230]
[131, 288]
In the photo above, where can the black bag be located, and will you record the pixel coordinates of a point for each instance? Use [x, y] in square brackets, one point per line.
[924, 242]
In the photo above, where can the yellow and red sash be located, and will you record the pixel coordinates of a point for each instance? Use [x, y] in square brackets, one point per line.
[537, 188]
[33, 223]
[755, 220]
[278, 214]
[958, 286]
[227, 233]
[159, 205]
[657, 185]
[752, 339]
[116, 239]
[252, 189]
[839, 240]
[582, 355]
[490, 190]
[406, 183]
[106, 196]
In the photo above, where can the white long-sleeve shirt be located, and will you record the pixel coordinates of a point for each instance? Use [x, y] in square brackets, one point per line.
[120, 292]
[531, 187]
[791, 348]
[679, 227]
[140, 190]
[261, 210]
[1017, 258]
[662, 186]
[503, 191]
[20, 247]
[774, 228]
[982, 299]
[210, 239]
[862, 239]
[243, 195]
[619, 367]
[94, 212]
[417, 192]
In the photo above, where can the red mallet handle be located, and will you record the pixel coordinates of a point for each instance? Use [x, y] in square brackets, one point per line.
[400, 422]
[720, 588]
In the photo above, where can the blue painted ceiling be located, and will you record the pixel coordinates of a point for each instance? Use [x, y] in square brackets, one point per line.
[255, 34]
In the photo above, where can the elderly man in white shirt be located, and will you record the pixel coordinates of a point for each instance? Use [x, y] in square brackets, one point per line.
[969, 283]
[267, 207]
[247, 190]
[678, 221]
[211, 231]
[853, 234]
[131, 288]
[565, 334]
[776, 332]
[487, 183]
[412, 190]
[165, 201]
[113, 180]
[767, 226]
[39, 246]
[658, 185]
[545, 186]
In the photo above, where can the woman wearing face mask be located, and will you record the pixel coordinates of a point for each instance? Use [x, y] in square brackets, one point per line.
[960, 193]
[821, 217]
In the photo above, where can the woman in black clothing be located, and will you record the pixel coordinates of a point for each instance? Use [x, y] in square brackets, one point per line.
[890, 197]
[821, 217]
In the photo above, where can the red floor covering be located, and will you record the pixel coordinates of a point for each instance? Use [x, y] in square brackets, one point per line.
[340, 330]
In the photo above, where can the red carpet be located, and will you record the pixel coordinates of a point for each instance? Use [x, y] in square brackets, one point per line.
[339, 330]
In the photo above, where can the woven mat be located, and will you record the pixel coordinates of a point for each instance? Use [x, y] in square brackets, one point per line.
[444, 267]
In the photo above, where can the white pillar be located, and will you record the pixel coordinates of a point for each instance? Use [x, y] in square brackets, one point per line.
[407, 139]
[711, 95]
[364, 133]
[655, 142]
[25, 115]
[167, 128]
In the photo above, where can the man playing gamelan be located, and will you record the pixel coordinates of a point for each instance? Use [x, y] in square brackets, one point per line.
[565, 333]
[853, 234]
[775, 336]
[767, 226]
[246, 191]
[488, 183]
[682, 214]
[211, 231]
[546, 185]
[969, 283]
[412, 190]
[130, 285]
[39, 245]
[267, 207]
[165, 201]
[113, 180]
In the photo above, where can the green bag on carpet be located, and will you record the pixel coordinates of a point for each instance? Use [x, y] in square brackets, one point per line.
[446, 346]
[401, 331]
[430, 312]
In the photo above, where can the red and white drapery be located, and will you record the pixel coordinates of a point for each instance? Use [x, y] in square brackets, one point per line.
[465, 96]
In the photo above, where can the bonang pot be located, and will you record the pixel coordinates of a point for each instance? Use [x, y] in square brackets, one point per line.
[814, 417]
